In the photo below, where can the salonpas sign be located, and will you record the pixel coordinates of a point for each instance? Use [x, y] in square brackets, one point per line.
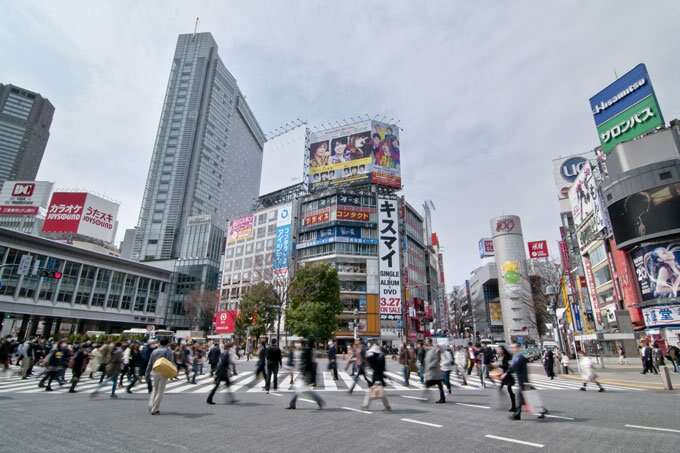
[626, 109]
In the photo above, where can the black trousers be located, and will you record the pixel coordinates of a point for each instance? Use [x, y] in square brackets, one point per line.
[272, 372]
[511, 394]
[75, 377]
[333, 366]
[361, 370]
[438, 383]
[218, 381]
[520, 400]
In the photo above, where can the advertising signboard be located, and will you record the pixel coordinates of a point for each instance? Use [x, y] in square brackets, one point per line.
[282, 246]
[486, 247]
[352, 214]
[584, 197]
[81, 213]
[658, 270]
[651, 212]
[356, 153]
[389, 290]
[565, 171]
[386, 169]
[628, 282]
[318, 217]
[538, 249]
[662, 315]
[225, 321]
[24, 197]
[592, 291]
[241, 229]
[495, 314]
[626, 109]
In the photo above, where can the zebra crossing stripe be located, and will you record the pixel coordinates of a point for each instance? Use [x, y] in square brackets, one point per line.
[239, 378]
[328, 382]
[199, 381]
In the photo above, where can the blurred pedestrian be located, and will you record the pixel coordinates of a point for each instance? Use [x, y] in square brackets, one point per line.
[376, 360]
[274, 361]
[214, 357]
[420, 360]
[308, 371]
[507, 381]
[333, 359]
[549, 364]
[447, 366]
[433, 372]
[587, 372]
[222, 375]
[565, 363]
[78, 365]
[460, 359]
[360, 362]
[112, 370]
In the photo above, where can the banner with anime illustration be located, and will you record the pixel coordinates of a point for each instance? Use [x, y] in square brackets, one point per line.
[658, 271]
[386, 155]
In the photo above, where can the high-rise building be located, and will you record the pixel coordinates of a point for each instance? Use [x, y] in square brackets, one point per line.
[25, 119]
[207, 157]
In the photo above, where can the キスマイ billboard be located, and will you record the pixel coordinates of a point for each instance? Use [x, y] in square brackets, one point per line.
[658, 270]
[389, 262]
[357, 153]
[651, 212]
[83, 214]
[626, 109]
[24, 197]
[241, 229]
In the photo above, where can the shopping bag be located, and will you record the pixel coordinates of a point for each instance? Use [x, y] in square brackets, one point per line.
[165, 368]
[376, 391]
[533, 403]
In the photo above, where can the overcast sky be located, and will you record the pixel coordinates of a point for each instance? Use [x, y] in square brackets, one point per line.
[488, 93]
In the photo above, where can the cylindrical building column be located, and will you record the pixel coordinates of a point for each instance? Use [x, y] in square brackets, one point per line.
[517, 305]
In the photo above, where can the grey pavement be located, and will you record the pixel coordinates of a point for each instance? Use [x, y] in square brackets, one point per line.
[614, 421]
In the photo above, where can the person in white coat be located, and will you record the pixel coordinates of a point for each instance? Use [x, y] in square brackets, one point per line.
[588, 374]
[460, 359]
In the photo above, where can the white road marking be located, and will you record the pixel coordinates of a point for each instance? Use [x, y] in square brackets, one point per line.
[559, 416]
[275, 394]
[418, 422]
[479, 406]
[653, 428]
[356, 410]
[307, 401]
[514, 441]
[414, 398]
[328, 382]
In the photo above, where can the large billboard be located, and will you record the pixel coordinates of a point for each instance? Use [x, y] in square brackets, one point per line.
[585, 199]
[225, 321]
[389, 263]
[283, 159]
[658, 270]
[241, 229]
[83, 214]
[626, 109]
[24, 197]
[662, 316]
[651, 212]
[565, 171]
[357, 153]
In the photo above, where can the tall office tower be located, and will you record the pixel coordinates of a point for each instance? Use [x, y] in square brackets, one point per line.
[207, 157]
[25, 119]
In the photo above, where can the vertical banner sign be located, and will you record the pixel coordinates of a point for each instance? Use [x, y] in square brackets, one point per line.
[567, 306]
[283, 240]
[594, 297]
[389, 263]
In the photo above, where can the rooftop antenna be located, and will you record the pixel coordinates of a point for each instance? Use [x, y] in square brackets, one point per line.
[196, 26]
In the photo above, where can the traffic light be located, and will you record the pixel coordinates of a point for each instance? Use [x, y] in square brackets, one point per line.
[51, 274]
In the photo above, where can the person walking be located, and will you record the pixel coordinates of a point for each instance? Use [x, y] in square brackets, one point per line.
[182, 360]
[674, 357]
[565, 363]
[433, 372]
[507, 381]
[448, 365]
[28, 353]
[471, 358]
[222, 375]
[125, 371]
[289, 366]
[214, 357]
[196, 362]
[420, 360]
[519, 367]
[657, 358]
[159, 381]
[104, 358]
[360, 362]
[136, 366]
[376, 360]
[622, 354]
[587, 373]
[78, 365]
[460, 359]
[647, 359]
[261, 367]
[486, 358]
[308, 370]
[333, 359]
[249, 348]
[274, 361]
[112, 370]
[54, 362]
[549, 364]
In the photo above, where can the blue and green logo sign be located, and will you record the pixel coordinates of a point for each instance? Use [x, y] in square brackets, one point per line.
[626, 109]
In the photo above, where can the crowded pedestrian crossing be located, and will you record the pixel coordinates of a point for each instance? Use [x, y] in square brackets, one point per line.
[248, 382]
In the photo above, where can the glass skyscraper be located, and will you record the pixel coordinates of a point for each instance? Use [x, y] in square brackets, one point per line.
[207, 157]
[25, 119]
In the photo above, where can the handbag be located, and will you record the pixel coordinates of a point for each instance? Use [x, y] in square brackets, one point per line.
[376, 391]
[165, 368]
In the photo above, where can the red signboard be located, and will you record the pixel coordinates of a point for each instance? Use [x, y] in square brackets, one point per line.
[352, 214]
[64, 212]
[225, 321]
[18, 210]
[319, 217]
[538, 249]
[625, 273]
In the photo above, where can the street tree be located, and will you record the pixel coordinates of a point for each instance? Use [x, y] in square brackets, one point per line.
[199, 308]
[257, 310]
[544, 273]
[314, 296]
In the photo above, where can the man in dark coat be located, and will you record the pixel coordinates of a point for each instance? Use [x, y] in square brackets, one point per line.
[549, 364]
[222, 375]
[308, 370]
[519, 368]
[214, 357]
[274, 361]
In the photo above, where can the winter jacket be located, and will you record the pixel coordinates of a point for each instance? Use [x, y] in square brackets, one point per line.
[432, 365]
[115, 363]
[273, 357]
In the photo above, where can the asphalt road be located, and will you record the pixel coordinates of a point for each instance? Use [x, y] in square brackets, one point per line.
[614, 421]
